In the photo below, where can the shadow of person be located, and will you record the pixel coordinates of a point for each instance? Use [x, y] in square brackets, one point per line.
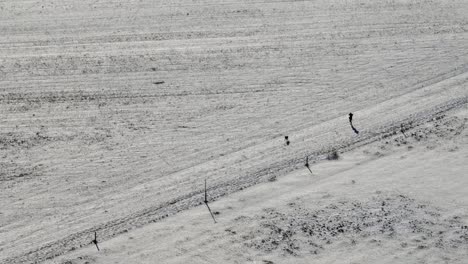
[351, 123]
[354, 129]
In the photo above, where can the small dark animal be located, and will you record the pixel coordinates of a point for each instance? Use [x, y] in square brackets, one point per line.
[161, 82]
[286, 138]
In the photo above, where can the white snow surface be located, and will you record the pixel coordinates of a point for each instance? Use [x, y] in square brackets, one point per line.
[113, 113]
[398, 200]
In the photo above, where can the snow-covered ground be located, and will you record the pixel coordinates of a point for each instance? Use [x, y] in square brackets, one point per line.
[398, 200]
[113, 113]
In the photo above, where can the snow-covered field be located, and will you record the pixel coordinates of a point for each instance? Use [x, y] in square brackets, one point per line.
[113, 113]
[398, 200]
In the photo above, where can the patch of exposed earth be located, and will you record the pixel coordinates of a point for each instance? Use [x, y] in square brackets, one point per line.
[300, 229]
